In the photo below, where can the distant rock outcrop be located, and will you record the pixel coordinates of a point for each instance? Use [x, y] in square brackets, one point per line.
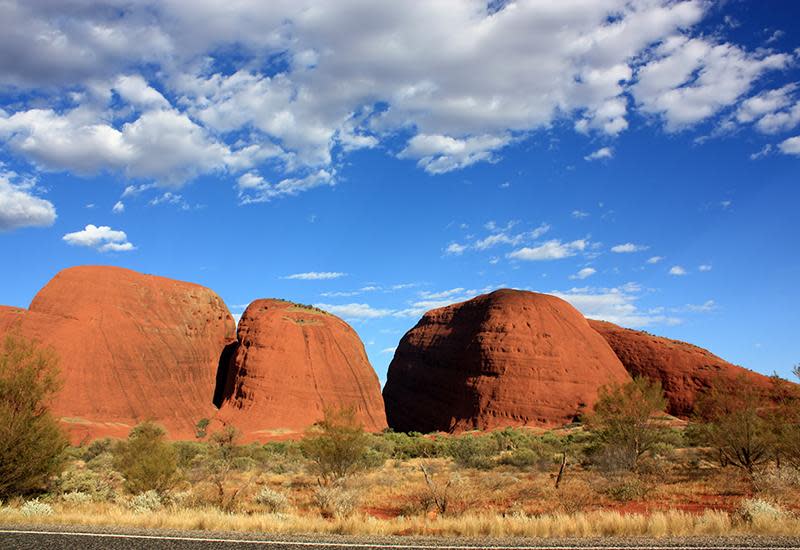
[291, 363]
[508, 358]
[131, 347]
[684, 370]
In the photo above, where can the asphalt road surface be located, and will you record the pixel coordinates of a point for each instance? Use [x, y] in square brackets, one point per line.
[107, 539]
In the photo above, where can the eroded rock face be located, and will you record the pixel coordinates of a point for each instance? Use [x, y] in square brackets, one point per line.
[131, 347]
[293, 362]
[685, 370]
[508, 358]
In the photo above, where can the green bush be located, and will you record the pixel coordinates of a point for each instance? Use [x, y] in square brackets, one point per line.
[337, 447]
[149, 501]
[405, 446]
[472, 451]
[31, 440]
[146, 460]
[273, 501]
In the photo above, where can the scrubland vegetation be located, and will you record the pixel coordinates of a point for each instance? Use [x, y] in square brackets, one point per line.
[626, 469]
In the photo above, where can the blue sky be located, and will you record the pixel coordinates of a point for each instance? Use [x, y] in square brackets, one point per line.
[639, 159]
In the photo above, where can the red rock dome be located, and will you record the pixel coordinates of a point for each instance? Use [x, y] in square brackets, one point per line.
[685, 370]
[292, 363]
[508, 358]
[131, 347]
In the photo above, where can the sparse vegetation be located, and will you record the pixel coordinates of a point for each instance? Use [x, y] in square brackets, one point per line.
[146, 460]
[502, 483]
[31, 441]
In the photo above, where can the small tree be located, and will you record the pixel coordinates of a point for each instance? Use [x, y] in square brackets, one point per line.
[223, 452]
[625, 420]
[734, 420]
[337, 446]
[147, 461]
[31, 440]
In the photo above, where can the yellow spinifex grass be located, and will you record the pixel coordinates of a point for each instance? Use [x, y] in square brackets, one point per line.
[588, 524]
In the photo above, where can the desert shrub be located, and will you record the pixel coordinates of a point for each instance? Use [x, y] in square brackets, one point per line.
[186, 451]
[625, 422]
[336, 500]
[272, 500]
[76, 497]
[201, 428]
[99, 485]
[149, 501]
[415, 445]
[754, 510]
[626, 489]
[337, 446]
[36, 508]
[97, 448]
[146, 460]
[733, 421]
[443, 492]
[217, 468]
[472, 451]
[521, 458]
[31, 440]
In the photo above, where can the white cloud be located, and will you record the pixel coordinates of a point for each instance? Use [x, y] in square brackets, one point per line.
[254, 189]
[438, 154]
[677, 270]
[355, 311]
[704, 267]
[771, 111]
[579, 214]
[315, 276]
[118, 208]
[790, 146]
[602, 153]
[584, 273]
[164, 145]
[628, 248]
[102, 238]
[690, 79]
[352, 75]
[705, 307]
[550, 250]
[655, 259]
[19, 206]
[616, 305]
[455, 249]
[387, 351]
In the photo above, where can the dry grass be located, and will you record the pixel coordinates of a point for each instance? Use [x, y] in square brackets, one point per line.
[589, 524]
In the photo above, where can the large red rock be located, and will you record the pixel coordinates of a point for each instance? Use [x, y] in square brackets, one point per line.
[131, 347]
[684, 370]
[508, 358]
[292, 363]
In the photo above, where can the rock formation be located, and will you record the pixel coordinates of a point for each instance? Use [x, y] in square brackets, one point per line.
[684, 370]
[131, 347]
[508, 358]
[292, 362]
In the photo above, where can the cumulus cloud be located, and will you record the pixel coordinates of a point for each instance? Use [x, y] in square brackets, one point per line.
[616, 305]
[118, 208]
[355, 311]
[316, 276]
[627, 248]
[455, 249]
[351, 75]
[584, 273]
[253, 188]
[790, 146]
[550, 250]
[20, 207]
[677, 271]
[438, 154]
[690, 79]
[602, 153]
[102, 238]
[655, 259]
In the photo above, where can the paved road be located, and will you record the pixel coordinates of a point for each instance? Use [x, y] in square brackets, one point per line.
[42, 539]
